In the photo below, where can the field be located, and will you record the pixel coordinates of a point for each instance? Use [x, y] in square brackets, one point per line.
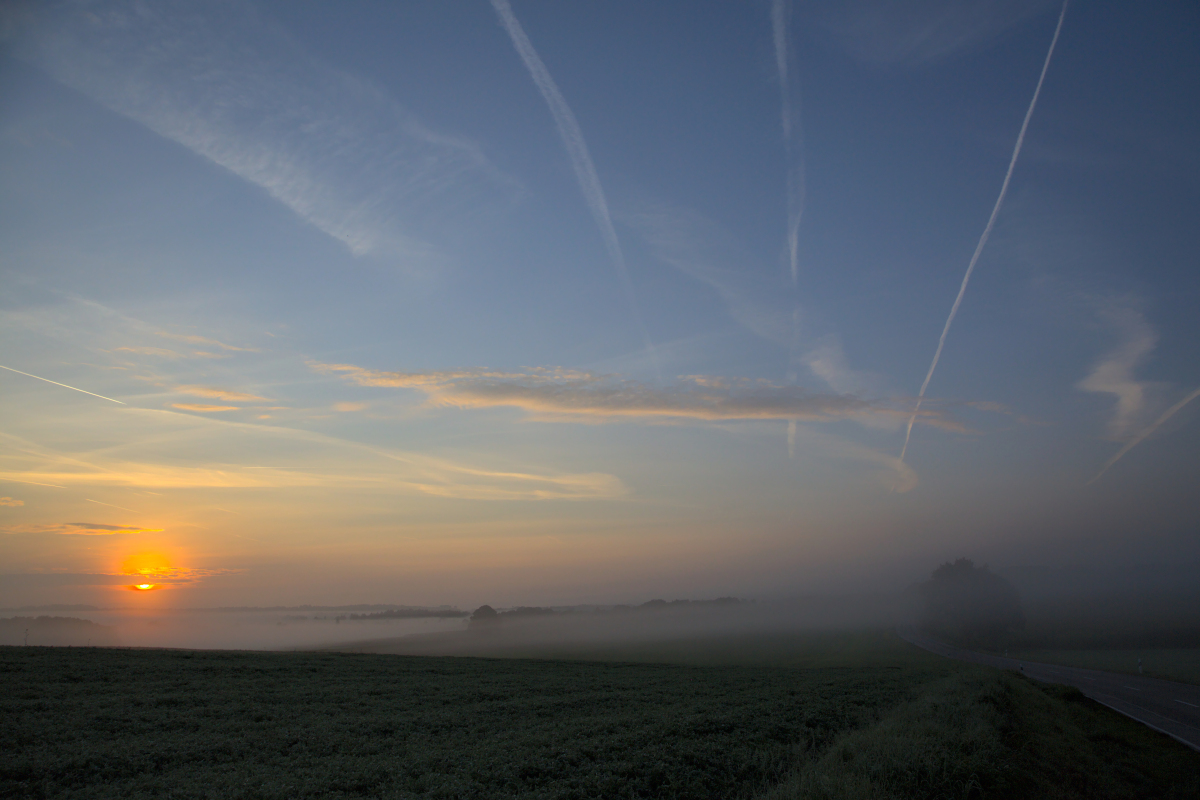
[868, 717]
[1172, 664]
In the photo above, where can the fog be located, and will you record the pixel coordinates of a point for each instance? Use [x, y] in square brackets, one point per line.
[514, 629]
[253, 629]
[718, 631]
[1101, 607]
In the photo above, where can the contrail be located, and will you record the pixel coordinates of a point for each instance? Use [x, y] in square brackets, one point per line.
[793, 133]
[35, 483]
[581, 160]
[56, 383]
[789, 115]
[987, 231]
[1170, 412]
[110, 505]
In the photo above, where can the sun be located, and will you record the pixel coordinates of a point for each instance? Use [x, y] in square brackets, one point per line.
[148, 567]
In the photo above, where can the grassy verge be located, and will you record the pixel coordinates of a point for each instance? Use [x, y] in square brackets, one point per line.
[983, 734]
[1174, 664]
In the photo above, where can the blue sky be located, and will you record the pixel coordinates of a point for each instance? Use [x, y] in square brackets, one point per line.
[474, 302]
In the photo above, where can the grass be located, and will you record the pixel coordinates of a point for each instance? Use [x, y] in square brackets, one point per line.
[864, 715]
[1172, 664]
[981, 733]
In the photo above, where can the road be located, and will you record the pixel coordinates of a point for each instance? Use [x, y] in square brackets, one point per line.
[1168, 707]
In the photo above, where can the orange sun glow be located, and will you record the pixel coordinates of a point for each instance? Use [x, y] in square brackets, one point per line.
[146, 566]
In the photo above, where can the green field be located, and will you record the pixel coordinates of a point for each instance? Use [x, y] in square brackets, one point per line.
[1172, 664]
[871, 717]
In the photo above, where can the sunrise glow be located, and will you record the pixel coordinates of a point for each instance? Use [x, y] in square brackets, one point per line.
[146, 563]
[744, 394]
[558, 303]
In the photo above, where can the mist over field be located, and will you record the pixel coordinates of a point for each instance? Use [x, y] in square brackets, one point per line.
[365, 627]
[1136, 607]
[277, 629]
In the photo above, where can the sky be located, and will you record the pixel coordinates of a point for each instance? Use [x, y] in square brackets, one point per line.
[543, 303]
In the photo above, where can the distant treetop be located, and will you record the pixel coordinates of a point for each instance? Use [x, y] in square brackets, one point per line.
[970, 605]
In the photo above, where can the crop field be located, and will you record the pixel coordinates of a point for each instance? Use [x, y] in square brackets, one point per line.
[878, 720]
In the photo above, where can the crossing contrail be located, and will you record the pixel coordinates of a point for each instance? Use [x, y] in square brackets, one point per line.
[56, 383]
[793, 133]
[1135, 441]
[987, 231]
[577, 151]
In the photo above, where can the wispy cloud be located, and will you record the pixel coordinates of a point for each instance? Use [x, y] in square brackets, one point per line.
[218, 393]
[204, 409]
[78, 529]
[700, 249]
[8, 501]
[161, 352]
[577, 151]
[827, 360]
[793, 129]
[110, 505]
[1135, 441]
[920, 31]
[194, 339]
[160, 450]
[1113, 374]
[897, 476]
[555, 393]
[234, 88]
[176, 575]
[813, 442]
[987, 231]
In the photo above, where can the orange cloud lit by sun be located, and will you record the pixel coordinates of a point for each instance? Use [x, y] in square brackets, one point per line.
[147, 566]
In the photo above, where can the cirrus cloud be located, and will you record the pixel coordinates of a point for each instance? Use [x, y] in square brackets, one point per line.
[1113, 374]
[176, 575]
[193, 339]
[550, 393]
[78, 529]
[218, 393]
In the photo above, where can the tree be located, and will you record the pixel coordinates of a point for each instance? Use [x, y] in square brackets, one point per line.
[484, 617]
[970, 605]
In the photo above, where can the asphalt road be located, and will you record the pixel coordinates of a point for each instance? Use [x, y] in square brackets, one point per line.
[1168, 707]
